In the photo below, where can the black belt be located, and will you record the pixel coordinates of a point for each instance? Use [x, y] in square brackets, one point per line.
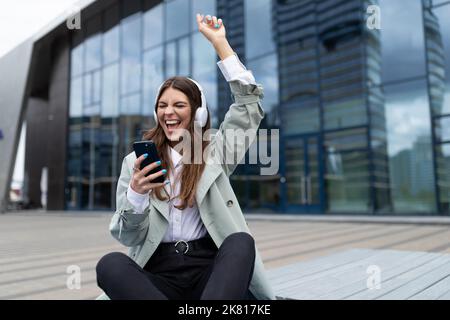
[184, 247]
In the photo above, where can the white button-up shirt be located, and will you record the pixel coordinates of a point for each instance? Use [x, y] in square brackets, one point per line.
[187, 224]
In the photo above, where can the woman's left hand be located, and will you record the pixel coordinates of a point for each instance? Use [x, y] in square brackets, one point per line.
[211, 27]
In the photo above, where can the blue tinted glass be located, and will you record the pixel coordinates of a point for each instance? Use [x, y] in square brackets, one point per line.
[402, 40]
[93, 53]
[265, 71]
[177, 18]
[153, 26]
[111, 45]
[131, 54]
[87, 89]
[76, 89]
[76, 67]
[96, 86]
[442, 15]
[131, 105]
[171, 60]
[92, 110]
[110, 91]
[183, 57]
[153, 77]
[204, 7]
[409, 147]
[258, 28]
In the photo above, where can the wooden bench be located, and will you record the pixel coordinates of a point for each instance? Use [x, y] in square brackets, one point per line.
[345, 275]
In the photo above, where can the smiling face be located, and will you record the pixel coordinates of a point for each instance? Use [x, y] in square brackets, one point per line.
[174, 113]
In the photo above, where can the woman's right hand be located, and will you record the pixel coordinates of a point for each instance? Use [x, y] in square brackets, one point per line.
[142, 184]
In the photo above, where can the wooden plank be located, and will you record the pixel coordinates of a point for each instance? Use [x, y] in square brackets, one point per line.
[323, 282]
[445, 296]
[435, 291]
[401, 279]
[301, 269]
[359, 282]
[421, 283]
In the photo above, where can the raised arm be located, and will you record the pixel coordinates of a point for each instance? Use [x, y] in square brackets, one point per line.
[239, 127]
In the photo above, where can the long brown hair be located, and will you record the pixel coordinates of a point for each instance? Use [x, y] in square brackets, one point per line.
[192, 172]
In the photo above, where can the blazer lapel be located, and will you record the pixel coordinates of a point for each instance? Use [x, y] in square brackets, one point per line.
[161, 206]
[212, 171]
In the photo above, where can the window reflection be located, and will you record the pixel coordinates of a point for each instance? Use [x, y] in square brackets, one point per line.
[76, 89]
[203, 7]
[177, 19]
[131, 54]
[111, 45]
[402, 40]
[410, 147]
[153, 77]
[171, 59]
[76, 67]
[265, 70]
[259, 38]
[153, 26]
[110, 91]
[93, 53]
[184, 57]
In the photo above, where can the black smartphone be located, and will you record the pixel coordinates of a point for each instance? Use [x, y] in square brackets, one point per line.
[149, 147]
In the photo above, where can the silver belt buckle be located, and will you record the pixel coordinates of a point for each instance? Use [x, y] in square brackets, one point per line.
[185, 243]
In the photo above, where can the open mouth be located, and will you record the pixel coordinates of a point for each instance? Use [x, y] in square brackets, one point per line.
[172, 124]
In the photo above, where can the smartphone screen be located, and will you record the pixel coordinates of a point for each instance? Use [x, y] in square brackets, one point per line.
[149, 147]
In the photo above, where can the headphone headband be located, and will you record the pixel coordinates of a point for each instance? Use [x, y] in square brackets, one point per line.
[201, 113]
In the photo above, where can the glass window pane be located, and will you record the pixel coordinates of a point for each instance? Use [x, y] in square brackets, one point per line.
[131, 105]
[171, 60]
[87, 89]
[76, 67]
[177, 19]
[76, 108]
[111, 45]
[300, 116]
[402, 41]
[410, 147]
[443, 175]
[96, 86]
[443, 129]
[131, 54]
[110, 92]
[265, 71]
[347, 181]
[183, 57]
[204, 7]
[93, 53]
[345, 113]
[153, 77]
[153, 26]
[259, 38]
[439, 59]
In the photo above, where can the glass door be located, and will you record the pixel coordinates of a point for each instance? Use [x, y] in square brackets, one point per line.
[302, 174]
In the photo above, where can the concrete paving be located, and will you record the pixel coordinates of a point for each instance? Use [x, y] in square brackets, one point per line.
[37, 249]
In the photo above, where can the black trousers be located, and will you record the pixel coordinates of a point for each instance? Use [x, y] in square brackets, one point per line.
[206, 273]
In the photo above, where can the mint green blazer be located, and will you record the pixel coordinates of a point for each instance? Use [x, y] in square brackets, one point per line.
[218, 206]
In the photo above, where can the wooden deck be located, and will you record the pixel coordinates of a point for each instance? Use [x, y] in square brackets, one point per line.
[362, 274]
[37, 248]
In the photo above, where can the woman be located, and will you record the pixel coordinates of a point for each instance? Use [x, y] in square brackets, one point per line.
[188, 238]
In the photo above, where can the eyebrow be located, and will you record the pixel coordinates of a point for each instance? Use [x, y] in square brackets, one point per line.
[162, 102]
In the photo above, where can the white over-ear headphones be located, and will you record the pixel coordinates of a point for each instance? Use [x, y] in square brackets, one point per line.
[201, 113]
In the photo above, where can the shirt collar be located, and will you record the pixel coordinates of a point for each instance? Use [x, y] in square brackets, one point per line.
[175, 156]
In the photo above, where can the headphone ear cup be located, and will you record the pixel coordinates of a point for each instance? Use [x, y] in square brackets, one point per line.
[155, 116]
[201, 116]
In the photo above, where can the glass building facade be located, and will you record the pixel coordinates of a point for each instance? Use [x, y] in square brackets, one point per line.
[363, 113]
